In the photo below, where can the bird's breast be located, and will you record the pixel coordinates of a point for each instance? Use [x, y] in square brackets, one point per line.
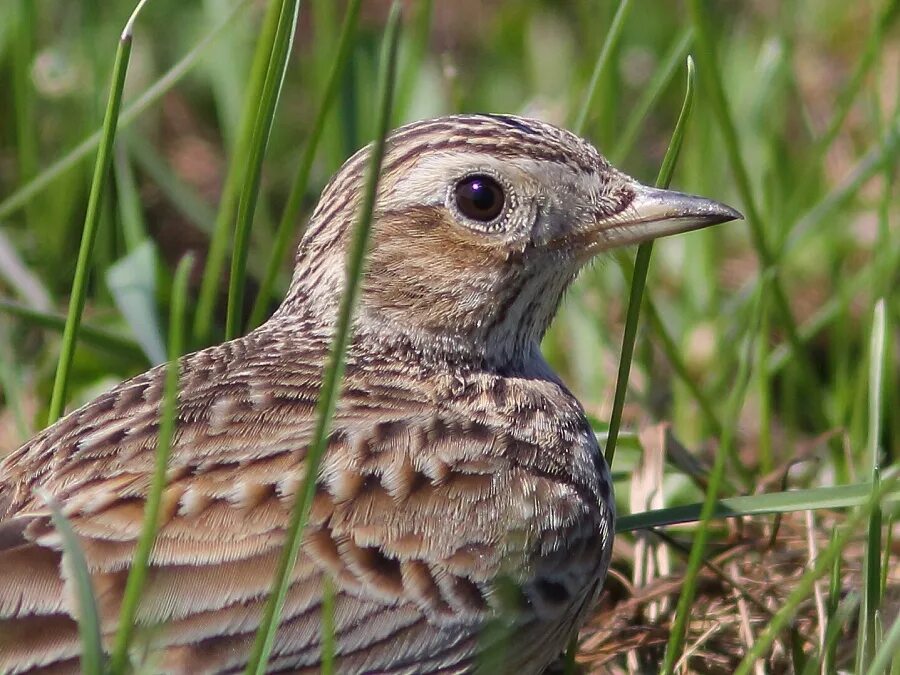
[551, 486]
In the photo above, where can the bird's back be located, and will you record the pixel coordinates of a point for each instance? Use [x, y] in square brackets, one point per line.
[441, 487]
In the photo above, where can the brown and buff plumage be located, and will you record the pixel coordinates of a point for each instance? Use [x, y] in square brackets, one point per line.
[457, 463]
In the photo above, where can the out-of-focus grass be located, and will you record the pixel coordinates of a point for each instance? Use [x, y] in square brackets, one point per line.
[810, 108]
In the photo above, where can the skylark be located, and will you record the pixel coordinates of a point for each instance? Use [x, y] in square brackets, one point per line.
[457, 458]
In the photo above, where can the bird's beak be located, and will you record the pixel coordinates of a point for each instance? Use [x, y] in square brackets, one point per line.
[654, 213]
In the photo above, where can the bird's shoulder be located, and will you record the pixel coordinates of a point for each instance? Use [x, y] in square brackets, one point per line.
[231, 396]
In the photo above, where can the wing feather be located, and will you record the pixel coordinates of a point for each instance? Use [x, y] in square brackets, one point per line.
[420, 505]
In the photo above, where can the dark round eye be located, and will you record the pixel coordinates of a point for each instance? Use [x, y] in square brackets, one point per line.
[479, 198]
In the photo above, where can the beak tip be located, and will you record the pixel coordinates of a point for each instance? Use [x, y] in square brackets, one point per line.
[701, 211]
[655, 213]
[727, 214]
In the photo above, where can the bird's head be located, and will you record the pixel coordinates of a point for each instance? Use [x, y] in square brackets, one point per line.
[481, 223]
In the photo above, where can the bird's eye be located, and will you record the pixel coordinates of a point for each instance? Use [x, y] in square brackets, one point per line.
[479, 198]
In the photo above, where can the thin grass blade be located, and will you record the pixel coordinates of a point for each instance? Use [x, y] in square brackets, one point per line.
[650, 94]
[88, 616]
[719, 103]
[866, 644]
[887, 552]
[603, 59]
[877, 351]
[92, 220]
[834, 497]
[889, 650]
[22, 196]
[804, 586]
[262, 129]
[168, 415]
[675, 643]
[871, 582]
[287, 223]
[642, 264]
[234, 179]
[100, 338]
[836, 622]
[328, 394]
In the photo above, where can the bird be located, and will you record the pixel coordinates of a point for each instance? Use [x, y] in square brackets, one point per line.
[462, 487]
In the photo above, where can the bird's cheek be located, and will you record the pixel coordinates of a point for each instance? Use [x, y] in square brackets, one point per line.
[566, 235]
[553, 223]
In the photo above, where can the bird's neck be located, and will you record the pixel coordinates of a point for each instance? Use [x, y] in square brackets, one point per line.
[446, 347]
[489, 323]
[375, 337]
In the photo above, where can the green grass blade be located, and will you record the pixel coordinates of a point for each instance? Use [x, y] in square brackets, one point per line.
[882, 21]
[11, 385]
[128, 200]
[88, 616]
[836, 622]
[181, 195]
[641, 265]
[675, 643]
[262, 129]
[887, 551]
[871, 582]
[719, 103]
[91, 221]
[804, 586]
[234, 180]
[872, 558]
[328, 394]
[606, 51]
[877, 351]
[664, 178]
[650, 94]
[889, 650]
[23, 95]
[653, 316]
[96, 337]
[168, 415]
[416, 47]
[23, 196]
[834, 497]
[287, 223]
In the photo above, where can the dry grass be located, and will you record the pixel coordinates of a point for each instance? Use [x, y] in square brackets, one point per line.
[633, 619]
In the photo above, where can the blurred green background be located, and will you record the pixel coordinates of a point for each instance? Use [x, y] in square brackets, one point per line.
[813, 93]
[791, 70]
